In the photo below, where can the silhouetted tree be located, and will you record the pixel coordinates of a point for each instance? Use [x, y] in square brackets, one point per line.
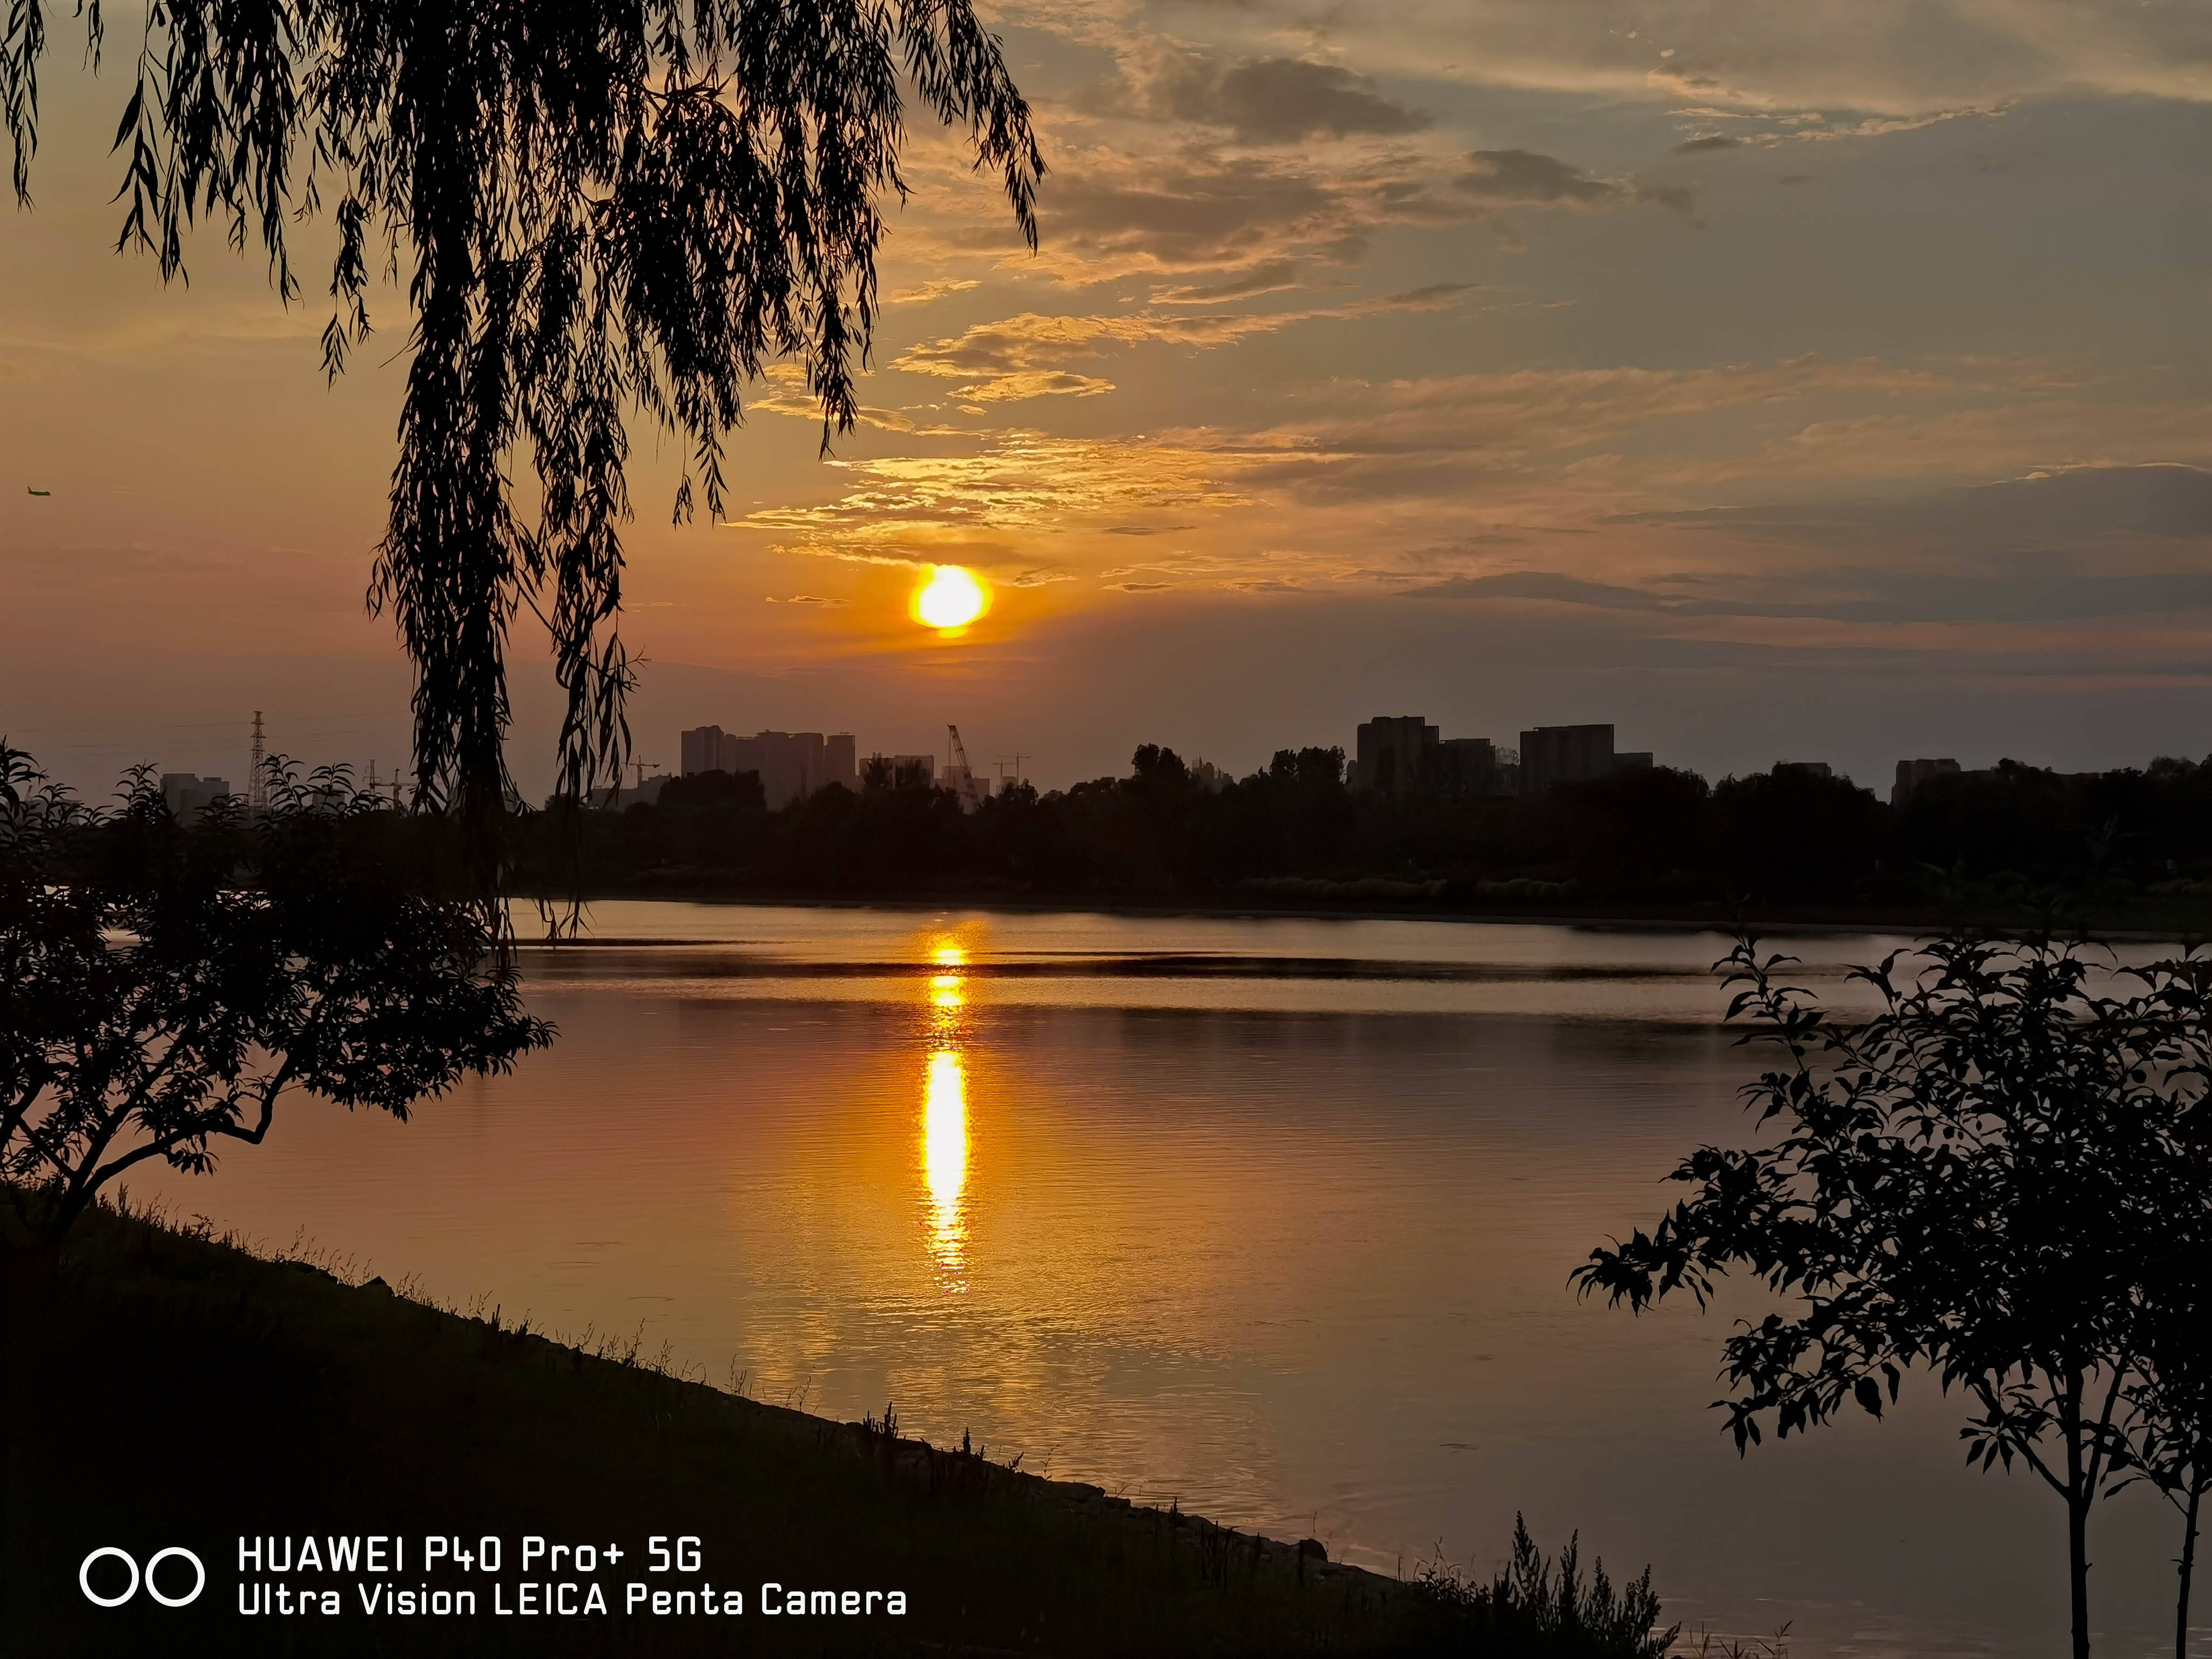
[161, 986]
[2168, 1432]
[1294, 818]
[2018, 821]
[1974, 1179]
[1308, 768]
[1626, 831]
[603, 209]
[740, 790]
[1785, 835]
[1154, 771]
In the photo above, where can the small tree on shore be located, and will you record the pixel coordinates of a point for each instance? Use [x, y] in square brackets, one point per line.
[1976, 1179]
[162, 986]
[2167, 1439]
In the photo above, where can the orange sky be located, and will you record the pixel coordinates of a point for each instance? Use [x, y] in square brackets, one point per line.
[1818, 382]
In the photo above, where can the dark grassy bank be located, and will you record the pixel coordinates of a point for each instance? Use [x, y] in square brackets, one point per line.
[162, 1387]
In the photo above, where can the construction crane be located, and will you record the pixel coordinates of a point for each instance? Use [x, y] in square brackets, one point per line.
[381, 787]
[1005, 777]
[959, 776]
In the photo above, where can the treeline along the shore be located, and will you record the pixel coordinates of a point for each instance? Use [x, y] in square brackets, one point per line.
[1293, 835]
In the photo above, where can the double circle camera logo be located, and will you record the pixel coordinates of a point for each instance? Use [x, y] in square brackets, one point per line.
[84, 1577]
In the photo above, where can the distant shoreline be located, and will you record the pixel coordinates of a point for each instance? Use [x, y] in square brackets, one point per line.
[1816, 924]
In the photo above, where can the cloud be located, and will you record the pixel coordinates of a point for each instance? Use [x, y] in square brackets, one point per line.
[1521, 178]
[1884, 56]
[1105, 215]
[1387, 484]
[905, 509]
[935, 289]
[1279, 100]
[1567, 446]
[2056, 428]
[788, 395]
[1050, 383]
[1270, 276]
[2043, 548]
[1111, 212]
[1552, 585]
[2040, 510]
[1710, 141]
[1233, 223]
[1486, 421]
[1019, 356]
[804, 598]
[2020, 590]
[1509, 177]
[1813, 127]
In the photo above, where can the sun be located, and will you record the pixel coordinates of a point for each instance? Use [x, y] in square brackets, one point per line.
[950, 599]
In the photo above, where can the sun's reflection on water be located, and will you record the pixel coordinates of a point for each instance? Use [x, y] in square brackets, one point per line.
[944, 1121]
[944, 1164]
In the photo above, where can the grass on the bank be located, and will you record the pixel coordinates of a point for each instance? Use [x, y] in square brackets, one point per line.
[162, 1387]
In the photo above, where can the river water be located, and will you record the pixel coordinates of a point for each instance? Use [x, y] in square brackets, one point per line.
[1272, 1218]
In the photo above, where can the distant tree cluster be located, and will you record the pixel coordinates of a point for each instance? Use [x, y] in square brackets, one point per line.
[1293, 833]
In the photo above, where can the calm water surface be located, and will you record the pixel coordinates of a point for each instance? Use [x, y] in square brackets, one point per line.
[1272, 1218]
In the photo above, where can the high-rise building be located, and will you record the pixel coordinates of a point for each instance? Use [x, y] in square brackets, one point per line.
[187, 796]
[906, 771]
[1566, 753]
[1912, 775]
[792, 765]
[1395, 755]
[1403, 755]
[1466, 766]
[703, 751]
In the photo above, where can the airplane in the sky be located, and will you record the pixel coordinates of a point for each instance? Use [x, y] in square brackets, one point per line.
[39, 492]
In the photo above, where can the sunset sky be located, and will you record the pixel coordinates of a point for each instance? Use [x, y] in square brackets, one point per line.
[1819, 381]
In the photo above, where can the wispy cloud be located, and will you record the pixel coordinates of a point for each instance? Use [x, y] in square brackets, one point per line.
[1499, 178]
[1019, 356]
[937, 288]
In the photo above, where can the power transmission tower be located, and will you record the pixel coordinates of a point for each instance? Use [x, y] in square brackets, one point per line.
[257, 788]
